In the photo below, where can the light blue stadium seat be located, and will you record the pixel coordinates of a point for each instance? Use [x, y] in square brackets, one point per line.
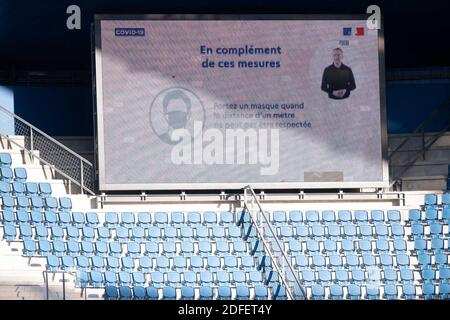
[173, 279]
[92, 219]
[204, 248]
[41, 232]
[101, 248]
[133, 249]
[365, 231]
[428, 275]
[206, 293]
[111, 220]
[260, 292]
[125, 292]
[193, 218]
[187, 293]
[234, 232]
[53, 263]
[29, 248]
[31, 189]
[177, 219]
[368, 260]
[65, 219]
[446, 214]
[223, 293]
[436, 229]
[409, 291]
[128, 264]
[318, 232]
[179, 263]
[202, 233]
[103, 234]
[152, 293]
[358, 276]
[37, 203]
[8, 217]
[209, 218]
[5, 160]
[45, 189]
[317, 292]
[381, 231]
[186, 233]
[72, 233]
[424, 259]
[110, 278]
[65, 204]
[122, 234]
[18, 188]
[22, 203]
[242, 293]
[51, 203]
[406, 275]
[218, 233]
[44, 248]
[365, 246]
[137, 234]
[127, 219]
[279, 218]
[230, 262]
[350, 231]
[23, 217]
[308, 277]
[372, 292]
[196, 263]
[73, 248]
[161, 219]
[347, 245]
[139, 293]
[330, 247]
[6, 174]
[354, 292]
[7, 203]
[328, 217]
[295, 217]
[342, 277]
[301, 262]
[286, 232]
[206, 278]
[213, 263]
[96, 279]
[444, 290]
[50, 218]
[345, 217]
[312, 217]
[239, 278]
[87, 248]
[414, 216]
[302, 232]
[437, 244]
[428, 291]
[255, 277]
[162, 263]
[386, 260]
[312, 247]
[169, 248]
[264, 263]
[67, 263]
[399, 245]
[336, 292]
[115, 249]
[431, 215]
[318, 262]
[36, 218]
[381, 245]
[352, 261]
[441, 259]
[154, 233]
[222, 278]
[157, 279]
[145, 264]
[417, 230]
[5, 189]
[59, 248]
[325, 277]
[226, 218]
[377, 216]
[334, 231]
[335, 261]
[361, 217]
[82, 263]
[78, 219]
[402, 260]
[82, 279]
[144, 219]
[98, 263]
[87, 233]
[239, 247]
[279, 293]
[20, 175]
[393, 216]
[430, 200]
[25, 232]
[187, 248]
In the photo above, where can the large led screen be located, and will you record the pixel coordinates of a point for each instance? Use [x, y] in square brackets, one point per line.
[274, 103]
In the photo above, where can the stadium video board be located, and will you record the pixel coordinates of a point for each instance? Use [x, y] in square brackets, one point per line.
[220, 102]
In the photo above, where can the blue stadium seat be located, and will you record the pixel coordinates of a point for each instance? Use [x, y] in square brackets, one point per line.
[50, 218]
[335, 261]
[115, 249]
[334, 231]
[110, 278]
[279, 293]
[218, 232]
[222, 278]
[393, 216]
[111, 220]
[312, 217]
[212, 263]
[377, 216]
[368, 260]
[73, 248]
[414, 216]
[152, 293]
[23, 217]
[317, 292]
[169, 293]
[8, 217]
[206, 293]
[279, 218]
[358, 276]
[202, 233]
[144, 219]
[350, 231]
[361, 217]
[127, 219]
[45, 189]
[179, 263]
[437, 244]
[239, 278]
[92, 219]
[31, 189]
[325, 276]
[29, 248]
[226, 218]
[137, 234]
[154, 233]
[372, 292]
[381, 245]
[312, 247]
[82, 263]
[53, 263]
[124, 278]
[446, 198]
[193, 218]
[260, 293]
[5, 160]
[51, 203]
[286, 232]
[78, 219]
[430, 200]
[444, 290]
[330, 246]
[354, 292]
[436, 229]
[125, 292]
[65, 204]
[302, 232]
[209, 218]
[44, 248]
[82, 279]
[409, 291]
[36, 218]
[431, 215]
[206, 278]
[187, 248]
[56, 233]
[6, 174]
[18, 188]
[318, 232]
[336, 292]
[177, 219]
[7, 203]
[328, 217]
[428, 291]
[399, 245]
[59, 248]
[87, 233]
[145, 264]
[406, 275]
[301, 262]
[308, 277]
[381, 231]
[239, 247]
[101, 248]
[127, 263]
[234, 232]
[295, 217]
[139, 293]
[344, 217]
[242, 293]
[342, 277]
[133, 249]
[352, 261]
[25, 232]
[190, 278]
[20, 175]
[417, 230]
[365, 231]
[162, 263]
[36, 203]
[402, 260]
[98, 263]
[41, 233]
[67, 263]
[72, 233]
[169, 248]
[96, 279]
[122, 234]
[187, 293]
[347, 245]
[22, 203]
[103, 234]
[223, 293]
[318, 262]
[230, 262]
[397, 230]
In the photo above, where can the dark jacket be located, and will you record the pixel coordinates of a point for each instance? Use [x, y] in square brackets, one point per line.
[336, 79]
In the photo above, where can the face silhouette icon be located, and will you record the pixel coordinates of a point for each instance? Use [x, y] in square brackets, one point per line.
[177, 111]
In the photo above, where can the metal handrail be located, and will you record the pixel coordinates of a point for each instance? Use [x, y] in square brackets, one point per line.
[85, 166]
[267, 246]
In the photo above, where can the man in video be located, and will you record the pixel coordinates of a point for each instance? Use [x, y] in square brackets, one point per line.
[177, 111]
[337, 79]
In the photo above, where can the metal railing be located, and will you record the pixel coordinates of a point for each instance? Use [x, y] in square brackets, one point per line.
[426, 143]
[64, 161]
[272, 245]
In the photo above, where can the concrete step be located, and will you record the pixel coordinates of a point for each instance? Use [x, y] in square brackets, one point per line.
[426, 183]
